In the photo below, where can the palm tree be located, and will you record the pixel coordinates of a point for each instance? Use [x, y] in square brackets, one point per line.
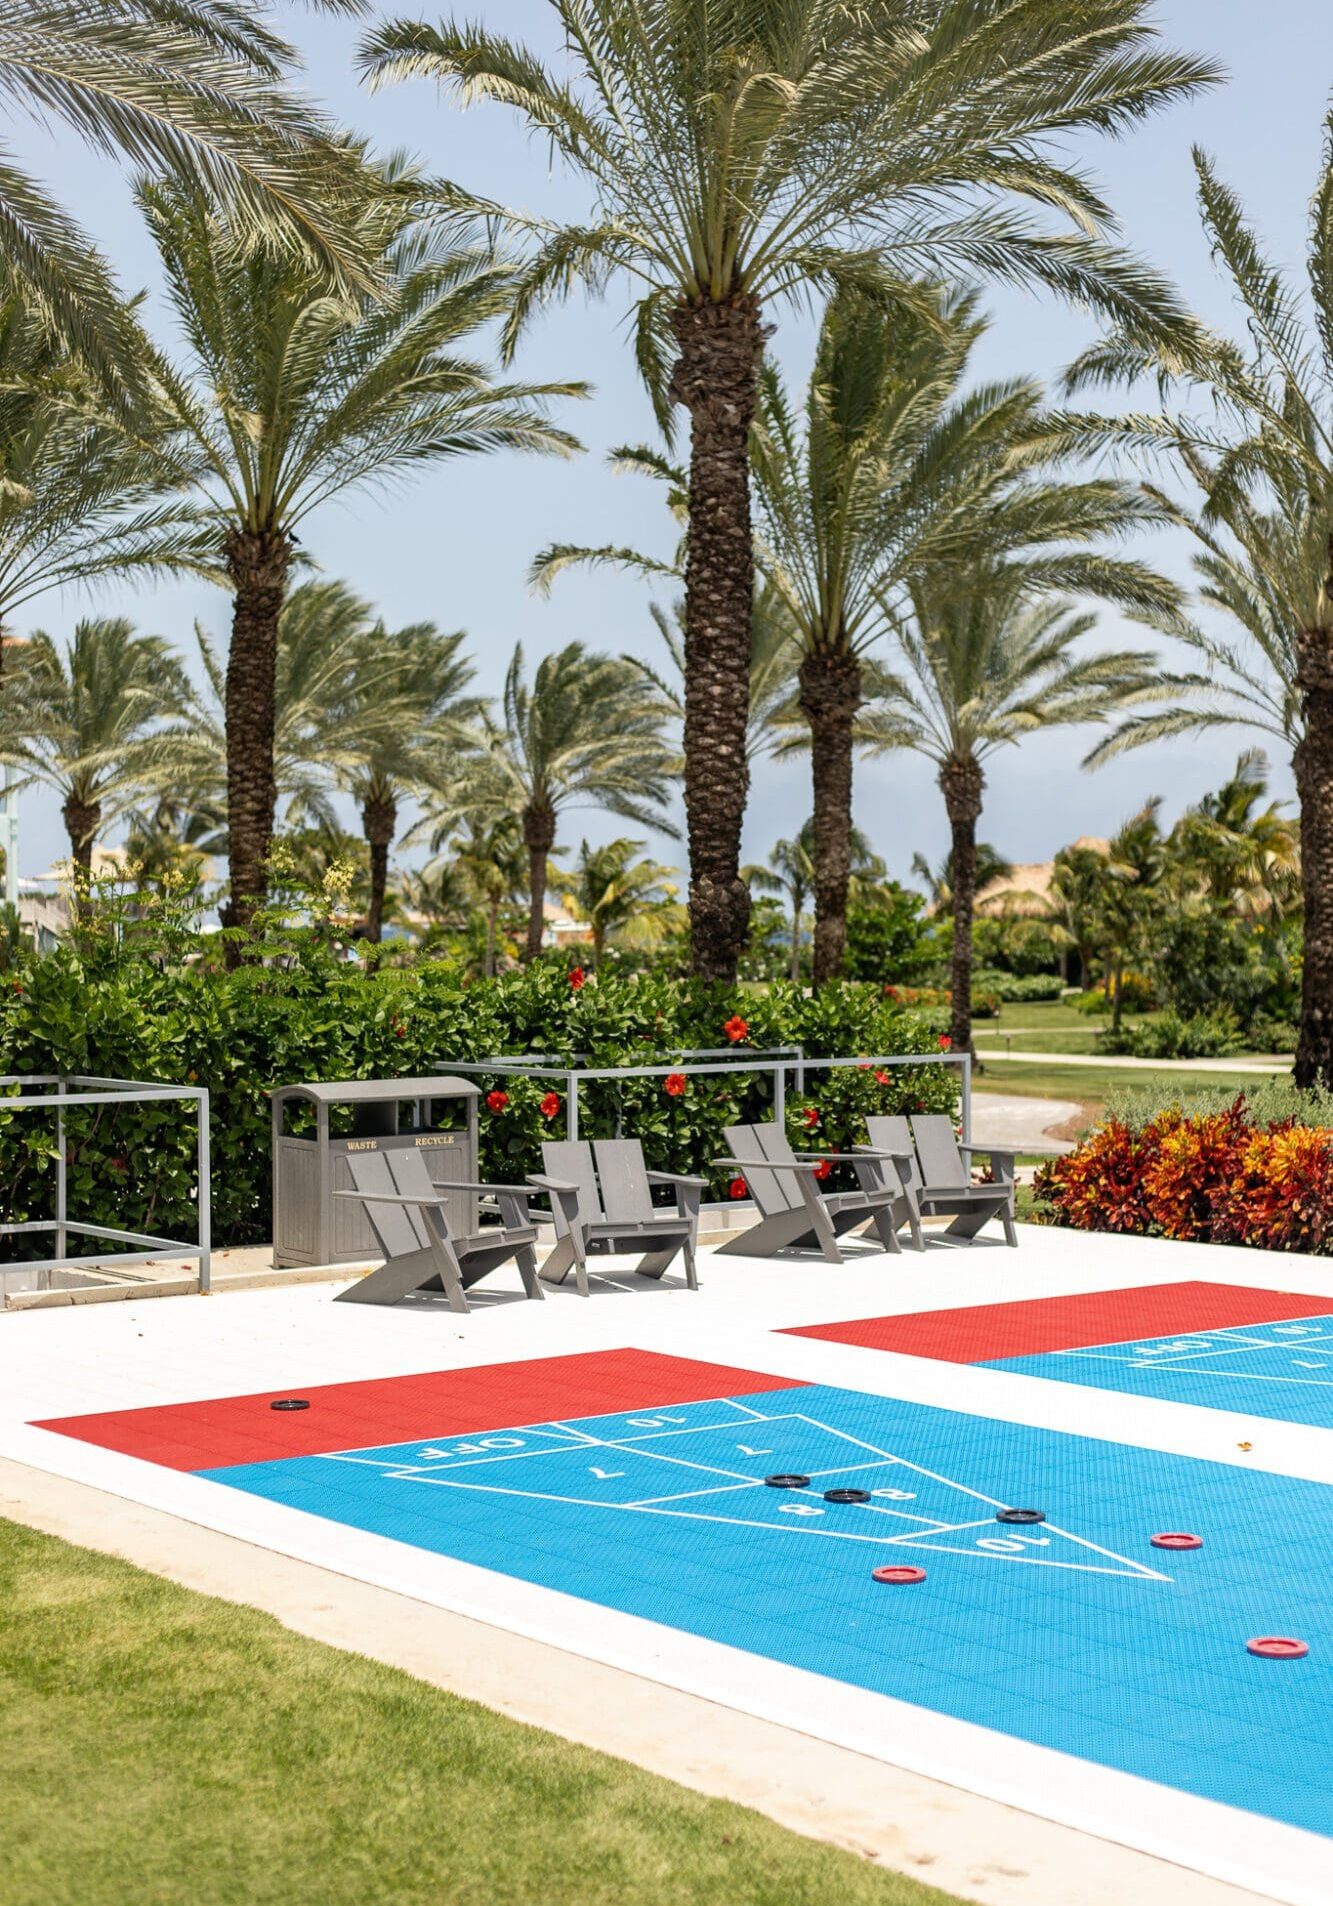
[1244, 856]
[404, 717]
[83, 496]
[619, 891]
[490, 865]
[896, 473]
[587, 729]
[191, 89]
[938, 881]
[89, 723]
[773, 651]
[791, 873]
[1260, 453]
[986, 663]
[291, 396]
[740, 155]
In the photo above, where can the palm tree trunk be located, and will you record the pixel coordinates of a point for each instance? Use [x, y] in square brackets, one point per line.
[962, 783]
[379, 821]
[1313, 762]
[258, 562]
[830, 689]
[714, 378]
[82, 820]
[538, 838]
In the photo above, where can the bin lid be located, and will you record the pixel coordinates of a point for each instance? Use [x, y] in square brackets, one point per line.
[360, 1091]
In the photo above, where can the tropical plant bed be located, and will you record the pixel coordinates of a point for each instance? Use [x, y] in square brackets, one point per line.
[241, 1033]
[164, 1746]
[1215, 1177]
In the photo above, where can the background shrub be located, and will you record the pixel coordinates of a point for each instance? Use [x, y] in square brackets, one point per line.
[308, 1016]
[1209, 1035]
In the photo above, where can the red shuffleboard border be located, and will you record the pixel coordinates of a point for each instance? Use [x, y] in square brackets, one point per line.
[220, 1431]
[983, 1333]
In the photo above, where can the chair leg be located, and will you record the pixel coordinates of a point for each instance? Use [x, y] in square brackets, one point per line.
[914, 1221]
[560, 1261]
[654, 1263]
[526, 1260]
[886, 1230]
[691, 1266]
[1010, 1230]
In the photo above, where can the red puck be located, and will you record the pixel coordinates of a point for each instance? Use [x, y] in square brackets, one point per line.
[1278, 1648]
[899, 1575]
[1177, 1539]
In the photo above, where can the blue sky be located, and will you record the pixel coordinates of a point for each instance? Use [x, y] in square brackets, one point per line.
[454, 546]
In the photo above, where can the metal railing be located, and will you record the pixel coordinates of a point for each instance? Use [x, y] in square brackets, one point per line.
[775, 1061]
[93, 1090]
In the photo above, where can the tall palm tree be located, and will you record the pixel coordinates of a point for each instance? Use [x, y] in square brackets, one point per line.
[322, 627]
[938, 881]
[405, 715]
[191, 89]
[88, 722]
[587, 729]
[895, 472]
[773, 652]
[741, 154]
[617, 889]
[1245, 856]
[984, 664]
[1259, 451]
[291, 395]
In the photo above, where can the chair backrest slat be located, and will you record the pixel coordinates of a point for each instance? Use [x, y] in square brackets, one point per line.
[772, 1191]
[937, 1148]
[398, 1228]
[623, 1177]
[571, 1159]
[893, 1134]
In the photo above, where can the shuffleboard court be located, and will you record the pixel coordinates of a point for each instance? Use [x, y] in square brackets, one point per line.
[649, 1485]
[1221, 1346]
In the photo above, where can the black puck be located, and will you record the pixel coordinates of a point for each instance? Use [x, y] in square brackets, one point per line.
[1021, 1515]
[787, 1482]
[290, 1403]
[846, 1495]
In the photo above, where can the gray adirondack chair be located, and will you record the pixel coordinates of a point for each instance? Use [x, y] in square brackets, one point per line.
[946, 1180]
[888, 1163]
[793, 1211]
[601, 1200]
[407, 1214]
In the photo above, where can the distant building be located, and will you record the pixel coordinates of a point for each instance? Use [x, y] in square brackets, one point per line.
[1025, 891]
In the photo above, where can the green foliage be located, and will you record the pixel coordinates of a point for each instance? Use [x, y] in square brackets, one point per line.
[1015, 987]
[1137, 995]
[1011, 944]
[1267, 1102]
[1248, 965]
[887, 938]
[106, 1005]
[1205, 1035]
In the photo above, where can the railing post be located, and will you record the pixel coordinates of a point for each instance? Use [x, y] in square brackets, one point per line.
[780, 1094]
[571, 1105]
[62, 1210]
[204, 1166]
[967, 1098]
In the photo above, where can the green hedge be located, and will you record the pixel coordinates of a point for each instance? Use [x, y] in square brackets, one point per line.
[243, 1032]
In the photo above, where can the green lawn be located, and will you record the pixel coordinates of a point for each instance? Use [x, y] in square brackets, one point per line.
[162, 1748]
[1053, 1026]
[1093, 1084]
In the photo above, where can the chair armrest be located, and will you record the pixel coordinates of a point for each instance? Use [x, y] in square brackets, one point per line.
[992, 1151]
[388, 1197]
[550, 1184]
[763, 1164]
[877, 1151]
[676, 1178]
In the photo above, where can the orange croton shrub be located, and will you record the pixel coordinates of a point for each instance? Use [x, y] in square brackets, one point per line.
[1214, 1178]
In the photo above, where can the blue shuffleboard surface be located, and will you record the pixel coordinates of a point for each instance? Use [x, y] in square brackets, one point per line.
[1073, 1633]
[1283, 1370]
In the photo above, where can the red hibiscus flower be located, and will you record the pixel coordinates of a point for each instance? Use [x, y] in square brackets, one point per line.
[863, 1065]
[497, 1100]
[881, 1078]
[737, 1188]
[822, 1169]
[811, 1117]
[736, 1029]
[890, 992]
[674, 1085]
[945, 1042]
[550, 1105]
[577, 976]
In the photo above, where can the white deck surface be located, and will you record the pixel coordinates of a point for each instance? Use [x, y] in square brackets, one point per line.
[137, 1353]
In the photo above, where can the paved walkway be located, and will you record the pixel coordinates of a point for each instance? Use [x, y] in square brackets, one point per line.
[1262, 1068]
[1003, 1118]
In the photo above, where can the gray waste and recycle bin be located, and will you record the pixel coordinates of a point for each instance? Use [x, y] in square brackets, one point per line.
[435, 1116]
